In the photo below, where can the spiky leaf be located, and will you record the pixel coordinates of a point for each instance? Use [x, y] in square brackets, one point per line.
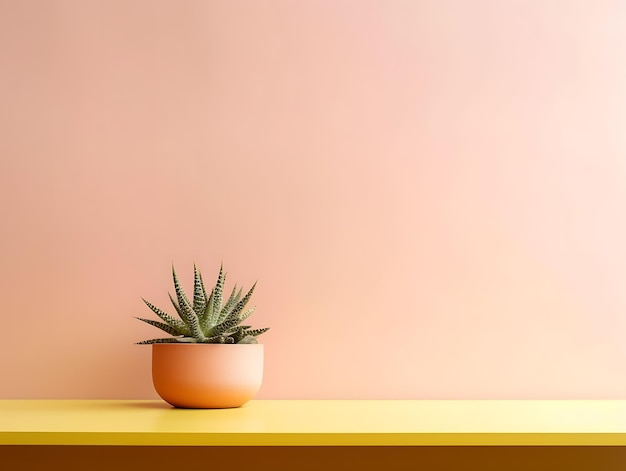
[199, 294]
[217, 297]
[245, 315]
[171, 321]
[257, 332]
[239, 306]
[204, 318]
[176, 306]
[230, 323]
[207, 319]
[210, 308]
[180, 294]
[246, 331]
[233, 299]
[186, 310]
[224, 326]
[238, 328]
[168, 340]
[240, 332]
[160, 325]
[190, 318]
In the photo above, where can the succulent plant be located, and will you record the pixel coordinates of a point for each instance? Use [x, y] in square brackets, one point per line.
[205, 319]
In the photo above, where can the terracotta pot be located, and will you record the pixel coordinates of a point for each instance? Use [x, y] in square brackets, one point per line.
[207, 376]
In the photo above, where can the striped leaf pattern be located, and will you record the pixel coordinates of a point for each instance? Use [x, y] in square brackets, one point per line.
[217, 297]
[208, 312]
[257, 332]
[176, 306]
[240, 305]
[168, 340]
[180, 294]
[246, 331]
[224, 326]
[202, 285]
[206, 319]
[199, 295]
[173, 322]
[190, 318]
[239, 332]
[160, 325]
[186, 310]
[245, 315]
[234, 330]
[233, 299]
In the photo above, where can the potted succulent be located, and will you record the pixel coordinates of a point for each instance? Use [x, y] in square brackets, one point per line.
[210, 360]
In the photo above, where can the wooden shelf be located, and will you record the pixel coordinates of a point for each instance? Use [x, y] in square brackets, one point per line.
[314, 423]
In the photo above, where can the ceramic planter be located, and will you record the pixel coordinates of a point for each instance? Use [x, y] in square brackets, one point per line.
[207, 376]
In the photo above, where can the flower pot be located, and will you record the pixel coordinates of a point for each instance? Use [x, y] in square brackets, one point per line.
[207, 376]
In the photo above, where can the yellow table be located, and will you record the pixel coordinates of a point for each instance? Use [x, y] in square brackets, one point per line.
[361, 431]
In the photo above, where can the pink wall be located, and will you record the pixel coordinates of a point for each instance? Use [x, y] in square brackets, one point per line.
[431, 193]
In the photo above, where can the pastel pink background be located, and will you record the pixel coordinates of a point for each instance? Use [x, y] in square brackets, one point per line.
[430, 193]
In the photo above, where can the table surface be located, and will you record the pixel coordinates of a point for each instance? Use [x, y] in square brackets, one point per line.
[314, 422]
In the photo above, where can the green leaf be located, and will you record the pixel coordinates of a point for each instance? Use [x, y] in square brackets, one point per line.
[171, 321]
[238, 328]
[199, 294]
[245, 315]
[190, 318]
[180, 294]
[240, 305]
[168, 340]
[186, 310]
[239, 332]
[257, 332]
[207, 319]
[176, 306]
[232, 300]
[160, 325]
[224, 326]
[217, 297]
[231, 322]
[245, 330]
[204, 318]
[215, 339]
